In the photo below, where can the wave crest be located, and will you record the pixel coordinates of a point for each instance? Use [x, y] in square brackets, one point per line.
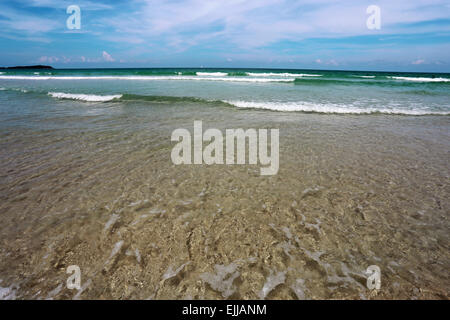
[327, 108]
[84, 97]
[212, 74]
[285, 74]
[421, 79]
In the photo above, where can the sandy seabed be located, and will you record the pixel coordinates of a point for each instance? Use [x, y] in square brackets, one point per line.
[351, 191]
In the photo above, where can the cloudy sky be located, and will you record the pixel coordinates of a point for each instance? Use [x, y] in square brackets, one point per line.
[316, 34]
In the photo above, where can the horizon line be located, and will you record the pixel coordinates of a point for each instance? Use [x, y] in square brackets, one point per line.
[237, 68]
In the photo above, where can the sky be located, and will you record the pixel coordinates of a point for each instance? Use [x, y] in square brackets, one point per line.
[413, 35]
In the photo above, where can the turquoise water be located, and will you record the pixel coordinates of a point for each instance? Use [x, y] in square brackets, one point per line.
[317, 91]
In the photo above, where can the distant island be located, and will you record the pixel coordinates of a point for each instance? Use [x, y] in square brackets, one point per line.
[27, 67]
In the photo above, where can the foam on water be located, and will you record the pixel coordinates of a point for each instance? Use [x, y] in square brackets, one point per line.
[146, 78]
[84, 97]
[55, 291]
[328, 108]
[213, 74]
[84, 286]
[222, 280]
[116, 249]
[272, 281]
[284, 74]
[8, 293]
[357, 107]
[421, 79]
[301, 91]
[299, 289]
[138, 255]
[111, 221]
[170, 272]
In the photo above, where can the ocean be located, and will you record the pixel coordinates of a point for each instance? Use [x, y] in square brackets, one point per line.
[86, 179]
[346, 92]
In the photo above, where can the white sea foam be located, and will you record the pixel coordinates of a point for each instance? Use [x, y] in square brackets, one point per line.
[147, 78]
[285, 74]
[83, 97]
[213, 74]
[243, 79]
[111, 221]
[138, 255]
[328, 108]
[421, 79]
[272, 281]
[84, 286]
[55, 291]
[8, 293]
[116, 249]
[299, 288]
[170, 272]
[367, 77]
[222, 280]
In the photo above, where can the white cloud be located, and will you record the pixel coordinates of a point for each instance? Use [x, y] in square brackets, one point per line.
[85, 5]
[330, 62]
[248, 30]
[107, 57]
[257, 23]
[418, 61]
[45, 59]
[333, 62]
[26, 23]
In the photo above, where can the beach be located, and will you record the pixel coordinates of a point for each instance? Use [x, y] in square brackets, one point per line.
[87, 180]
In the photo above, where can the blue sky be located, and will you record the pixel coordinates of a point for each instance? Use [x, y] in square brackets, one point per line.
[315, 34]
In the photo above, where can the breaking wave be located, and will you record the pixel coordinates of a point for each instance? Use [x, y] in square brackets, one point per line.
[274, 74]
[421, 79]
[296, 106]
[84, 97]
[329, 108]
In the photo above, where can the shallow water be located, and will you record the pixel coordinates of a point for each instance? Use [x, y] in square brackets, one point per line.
[92, 184]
